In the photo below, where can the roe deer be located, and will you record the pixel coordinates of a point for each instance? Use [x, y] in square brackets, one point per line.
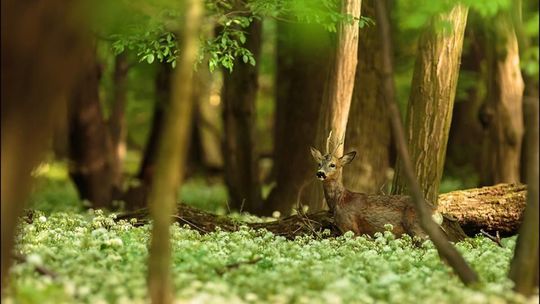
[362, 213]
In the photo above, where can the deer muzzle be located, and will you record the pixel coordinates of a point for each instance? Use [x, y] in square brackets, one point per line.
[321, 175]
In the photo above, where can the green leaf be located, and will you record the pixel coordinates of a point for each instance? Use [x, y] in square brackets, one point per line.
[150, 58]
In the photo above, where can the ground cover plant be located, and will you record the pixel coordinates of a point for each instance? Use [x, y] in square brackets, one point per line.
[99, 260]
[246, 266]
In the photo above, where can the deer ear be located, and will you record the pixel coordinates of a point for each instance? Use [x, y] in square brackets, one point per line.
[347, 158]
[316, 154]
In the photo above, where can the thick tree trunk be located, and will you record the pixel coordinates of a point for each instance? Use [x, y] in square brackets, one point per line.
[368, 128]
[91, 164]
[502, 111]
[239, 147]
[339, 87]
[117, 120]
[172, 150]
[41, 45]
[524, 266]
[503, 207]
[303, 53]
[431, 102]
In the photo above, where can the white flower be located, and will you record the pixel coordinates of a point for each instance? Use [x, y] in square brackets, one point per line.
[34, 259]
[42, 219]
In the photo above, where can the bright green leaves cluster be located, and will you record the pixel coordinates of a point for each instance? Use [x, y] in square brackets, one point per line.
[150, 46]
[151, 35]
[101, 261]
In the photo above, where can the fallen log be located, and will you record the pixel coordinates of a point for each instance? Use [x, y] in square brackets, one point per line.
[493, 208]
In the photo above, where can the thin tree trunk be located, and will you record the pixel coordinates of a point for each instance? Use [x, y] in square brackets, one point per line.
[171, 155]
[502, 111]
[241, 160]
[338, 90]
[40, 51]
[91, 166]
[524, 266]
[117, 120]
[368, 130]
[207, 124]
[446, 250]
[163, 93]
[303, 52]
[431, 102]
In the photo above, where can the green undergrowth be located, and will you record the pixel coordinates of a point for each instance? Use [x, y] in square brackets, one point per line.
[98, 260]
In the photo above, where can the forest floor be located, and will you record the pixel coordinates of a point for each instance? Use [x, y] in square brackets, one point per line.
[98, 260]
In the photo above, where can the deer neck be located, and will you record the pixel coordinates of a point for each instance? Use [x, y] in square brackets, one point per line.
[333, 191]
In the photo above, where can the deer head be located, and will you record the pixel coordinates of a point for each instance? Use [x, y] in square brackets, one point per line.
[329, 164]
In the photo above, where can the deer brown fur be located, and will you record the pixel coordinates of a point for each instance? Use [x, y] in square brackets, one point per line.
[358, 212]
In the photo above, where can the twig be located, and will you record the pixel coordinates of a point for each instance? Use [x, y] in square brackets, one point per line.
[235, 265]
[189, 223]
[496, 238]
[39, 269]
[445, 249]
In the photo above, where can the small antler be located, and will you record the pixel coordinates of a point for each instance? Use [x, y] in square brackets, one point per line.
[339, 144]
[328, 142]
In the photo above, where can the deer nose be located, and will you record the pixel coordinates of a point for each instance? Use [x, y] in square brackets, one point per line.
[321, 174]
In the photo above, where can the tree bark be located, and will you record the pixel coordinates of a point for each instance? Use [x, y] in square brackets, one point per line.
[368, 130]
[41, 45]
[91, 166]
[117, 120]
[492, 209]
[171, 156]
[339, 87]
[503, 206]
[303, 52]
[524, 266]
[502, 111]
[431, 102]
[240, 156]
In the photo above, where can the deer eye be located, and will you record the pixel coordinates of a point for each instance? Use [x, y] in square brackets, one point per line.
[320, 165]
[332, 165]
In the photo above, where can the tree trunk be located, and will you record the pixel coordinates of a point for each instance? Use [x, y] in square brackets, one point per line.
[336, 103]
[498, 201]
[171, 155]
[163, 93]
[524, 266]
[368, 130]
[208, 123]
[117, 120]
[91, 165]
[431, 101]
[502, 113]
[241, 160]
[464, 149]
[41, 45]
[302, 65]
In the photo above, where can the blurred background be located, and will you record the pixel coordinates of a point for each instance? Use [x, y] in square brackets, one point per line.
[258, 88]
